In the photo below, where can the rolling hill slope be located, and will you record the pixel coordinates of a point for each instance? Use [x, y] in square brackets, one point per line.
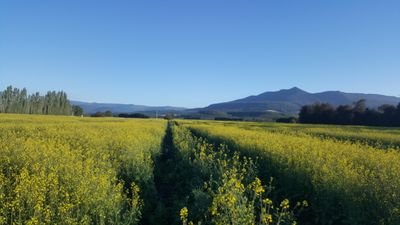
[93, 107]
[291, 100]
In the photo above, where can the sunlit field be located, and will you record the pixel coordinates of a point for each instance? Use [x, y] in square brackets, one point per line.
[72, 170]
[65, 170]
[349, 174]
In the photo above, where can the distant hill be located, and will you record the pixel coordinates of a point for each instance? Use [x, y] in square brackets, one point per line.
[267, 106]
[93, 107]
[289, 101]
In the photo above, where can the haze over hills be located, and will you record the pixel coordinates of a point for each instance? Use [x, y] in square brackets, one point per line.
[93, 107]
[291, 100]
[275, 103]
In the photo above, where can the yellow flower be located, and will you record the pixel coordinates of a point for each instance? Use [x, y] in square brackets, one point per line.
[257, 187]
[269, 218]
[285, 204]
[267, 201]
[184, 213]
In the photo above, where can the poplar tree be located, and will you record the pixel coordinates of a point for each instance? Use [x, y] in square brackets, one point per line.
[14, 100]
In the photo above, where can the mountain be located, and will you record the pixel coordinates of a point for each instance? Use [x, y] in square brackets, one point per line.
[93, 107]
[289, 101]
[267, 105]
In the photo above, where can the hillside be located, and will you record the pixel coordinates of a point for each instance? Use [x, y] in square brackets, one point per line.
[271, 104]
[122, 108]
[290, 101]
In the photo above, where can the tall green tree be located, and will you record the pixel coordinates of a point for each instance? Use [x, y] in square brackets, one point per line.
[14, 100]
[77, 110]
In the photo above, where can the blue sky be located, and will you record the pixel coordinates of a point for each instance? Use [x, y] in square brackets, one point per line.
[194, 53]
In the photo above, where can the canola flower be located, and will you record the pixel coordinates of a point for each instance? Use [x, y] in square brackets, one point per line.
[235, 193]
[257, 187]
[285, 204]
[384, 138]
[267, 219]
[66, 170]
[348, 182]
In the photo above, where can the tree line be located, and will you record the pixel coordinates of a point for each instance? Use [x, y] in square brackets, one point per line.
[354, 114]
[14, 100]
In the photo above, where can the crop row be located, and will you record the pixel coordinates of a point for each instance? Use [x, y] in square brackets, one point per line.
[346, 183]
[379, 137]
[222, 187]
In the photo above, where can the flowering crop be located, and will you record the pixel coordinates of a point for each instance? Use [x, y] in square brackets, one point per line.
[346, 182]
[379, 137]
[231, 193]
[65, 170]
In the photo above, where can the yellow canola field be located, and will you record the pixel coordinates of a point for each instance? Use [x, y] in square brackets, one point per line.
[380, 137]
[345, 182]
[65, 170]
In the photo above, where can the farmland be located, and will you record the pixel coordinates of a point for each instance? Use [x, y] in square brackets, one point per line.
[69, 170]
[61, 170]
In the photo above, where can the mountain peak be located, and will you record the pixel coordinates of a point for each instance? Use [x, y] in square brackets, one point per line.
[294, 89]
[291, 100]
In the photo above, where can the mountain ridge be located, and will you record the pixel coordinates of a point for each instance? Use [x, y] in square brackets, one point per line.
[291, 100]
[284, 101]
[93, 107]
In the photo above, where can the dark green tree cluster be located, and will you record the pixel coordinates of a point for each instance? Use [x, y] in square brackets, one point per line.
[290, 119]
[14, 100]
[77, 110]
[107, 113]
[355, 114]
[133, 115]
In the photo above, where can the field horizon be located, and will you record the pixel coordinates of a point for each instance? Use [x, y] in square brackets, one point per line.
[157, 171]
[199, 112]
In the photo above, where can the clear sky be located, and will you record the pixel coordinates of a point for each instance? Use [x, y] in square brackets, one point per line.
[194, 53]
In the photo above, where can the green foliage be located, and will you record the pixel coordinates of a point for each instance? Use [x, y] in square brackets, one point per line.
[77, 110]
[14, 100]
[356, 114]
[103, 114]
